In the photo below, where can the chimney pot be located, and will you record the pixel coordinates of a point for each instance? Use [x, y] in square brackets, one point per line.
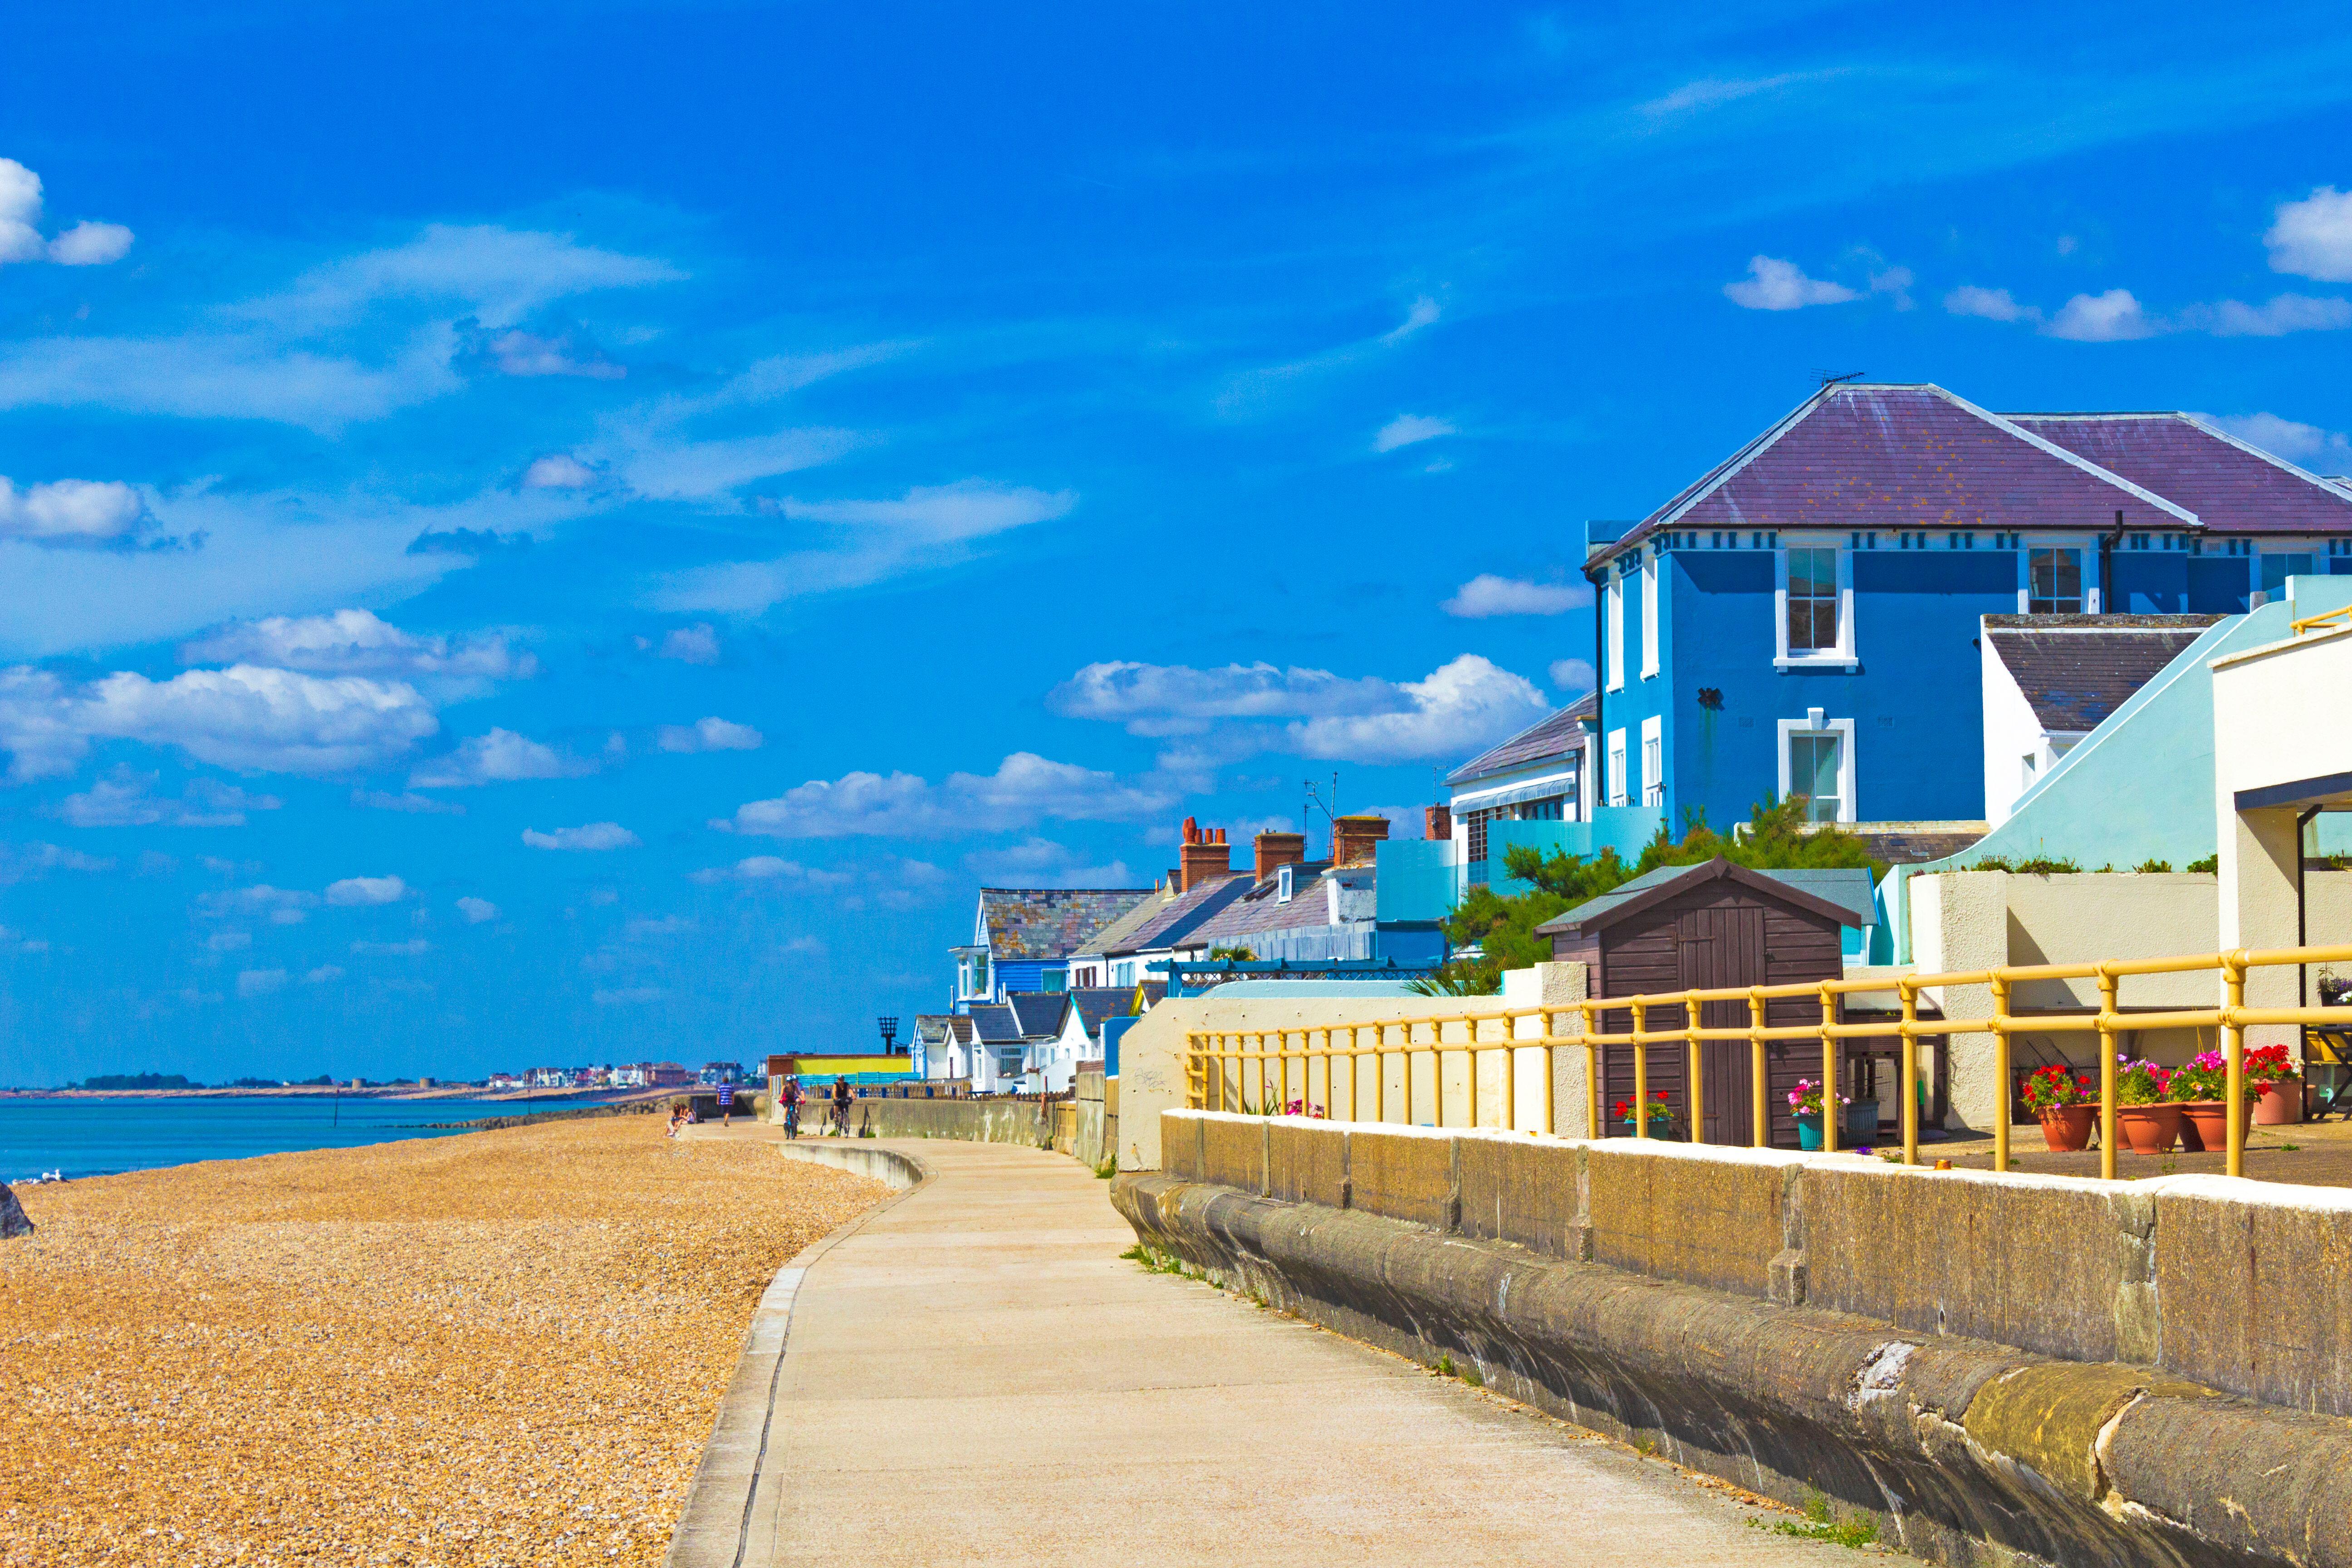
[1278, 849]
[1204, 855]
[1352, 837]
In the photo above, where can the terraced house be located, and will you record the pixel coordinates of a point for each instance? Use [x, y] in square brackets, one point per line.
[1807, 618]
[1023, 939]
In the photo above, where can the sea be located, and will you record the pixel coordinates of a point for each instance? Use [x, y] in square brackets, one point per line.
[103, 1137]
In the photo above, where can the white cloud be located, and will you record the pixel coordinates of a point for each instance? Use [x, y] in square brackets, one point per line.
[228, 942]
[323, 974]
[1992, 304]
[1406, 429]
[84, 245]
[1254, 393]
[70, 512]
[1896, 282]
[773, 871]
[415, 947]
[1457, 710]
[557, 471]
[33, 859]
[1487, 595]
[708, 735]
[1423, 312]
[2312, 237]
[224, 375]
[1773, 285]
[627, 995]
[500, 756]
[594, 836]
[1175, 700]
[691, 644]
[1041, 863]
[279, 906]
[242, 717]
[358, 642]
[2112, 317]
[1572, 676]
[930, 526]
[500, 273]
[2296, 442]
[477, 910]
[260, 982]
[411, 802]
[2284, 313]
[122, 800]
[521, 353]
[353, 890]
[1025, 789]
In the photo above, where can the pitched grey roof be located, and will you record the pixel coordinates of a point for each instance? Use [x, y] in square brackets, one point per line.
[1113, 938]
[995, 1023]
[1097, 1003]
[2074, 670]
[932, 1028]
[1550, 737]
[1260, 910]
[2232, 486]
[1845, 891]
[1039, 1014]
[1178, 917]
[1049, 922]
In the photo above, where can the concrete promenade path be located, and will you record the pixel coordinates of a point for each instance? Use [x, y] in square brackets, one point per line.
[974, 1375]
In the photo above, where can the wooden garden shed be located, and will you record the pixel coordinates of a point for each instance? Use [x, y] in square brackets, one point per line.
[1712, 926]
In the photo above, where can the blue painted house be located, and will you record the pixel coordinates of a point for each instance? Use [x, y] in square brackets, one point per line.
[1804, 619]
[1023, 940]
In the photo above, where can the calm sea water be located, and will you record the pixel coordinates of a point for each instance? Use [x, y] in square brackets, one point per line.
[140, 1132]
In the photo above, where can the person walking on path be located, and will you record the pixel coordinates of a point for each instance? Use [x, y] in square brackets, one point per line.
[841, 1105]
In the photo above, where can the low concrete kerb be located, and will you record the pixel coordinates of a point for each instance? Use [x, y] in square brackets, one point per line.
[713, 1528]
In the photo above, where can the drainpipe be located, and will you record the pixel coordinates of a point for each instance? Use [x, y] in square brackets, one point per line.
[2107, 565]
[1593, 762]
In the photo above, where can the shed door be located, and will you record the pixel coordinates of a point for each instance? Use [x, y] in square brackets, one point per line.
[1717, 947]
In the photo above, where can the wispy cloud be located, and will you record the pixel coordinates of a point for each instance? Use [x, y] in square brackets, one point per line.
[1409, 429]
[594, 835]
[1776, 285]
[2307, 445]
[1025, 790]
[1253, 394]
[1487, 595]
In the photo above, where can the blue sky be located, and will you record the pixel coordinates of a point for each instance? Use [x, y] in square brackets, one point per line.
[543, 534]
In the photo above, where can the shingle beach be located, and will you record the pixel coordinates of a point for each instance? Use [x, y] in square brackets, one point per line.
[504, 1348]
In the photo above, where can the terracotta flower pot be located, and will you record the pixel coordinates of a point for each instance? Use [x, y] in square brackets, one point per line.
[2067, 1128]
[2148, 1129]
[2281, 1105]
[2204, 1125]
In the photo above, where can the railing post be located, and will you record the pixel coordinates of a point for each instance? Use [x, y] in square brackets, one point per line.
[1592, 1017]
[2234, 1046]
[1759, 1091]
[1551, 1077]
[1694, 1085]
[1833, 1114]
[1379, 1073]
[1640, 1071]
[2106, 1074]
[1510, 1074]
[1907, 1080]
[1470, 1071]
[2001, 1069]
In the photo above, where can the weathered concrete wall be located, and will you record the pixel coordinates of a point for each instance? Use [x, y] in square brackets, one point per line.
[1968, 1451]
[973, 1121]
[2234, 1284]
[892, 1168]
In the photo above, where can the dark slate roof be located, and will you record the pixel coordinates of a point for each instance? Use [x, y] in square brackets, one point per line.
[1836, 890]
[932, 1027]
[1049, 922]
[2077, 669]
[1097, 1003]
[1259, 908]
[1113, 938]
[1546, 738]
[1914, 843]
[2233, 488]
[1178, 917]
[963, 1029]
[1038, 1012]
[994, 1023]
[1861, 454]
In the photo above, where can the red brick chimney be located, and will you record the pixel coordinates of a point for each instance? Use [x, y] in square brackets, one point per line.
[1352, 837]
[1437, 822]
[1205, 854]
[1279, 849]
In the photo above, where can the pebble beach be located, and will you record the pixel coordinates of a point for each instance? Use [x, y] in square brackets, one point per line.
[503, 1348]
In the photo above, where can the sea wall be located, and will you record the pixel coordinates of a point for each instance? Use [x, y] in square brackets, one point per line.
[1026, 1122]
[2153, 1372]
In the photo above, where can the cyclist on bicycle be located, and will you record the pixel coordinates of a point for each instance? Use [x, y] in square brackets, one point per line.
[791, 1098]
[841, 1105]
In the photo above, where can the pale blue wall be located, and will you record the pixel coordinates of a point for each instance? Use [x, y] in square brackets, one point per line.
[1624, 828]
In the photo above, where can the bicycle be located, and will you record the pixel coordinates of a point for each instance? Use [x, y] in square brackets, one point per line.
[793, 1119]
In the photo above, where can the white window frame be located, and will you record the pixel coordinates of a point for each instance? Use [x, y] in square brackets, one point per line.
[1616, 755]
[1654, 760]
[1842, 728]
[2026, 544]
[1612, 612]
[1650, 616]
[1842, 657]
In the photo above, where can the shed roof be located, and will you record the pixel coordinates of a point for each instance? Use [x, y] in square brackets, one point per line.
[1831, 891]
[2233, 486]
[2074, 670]
[1554, 736]
[1049, 922]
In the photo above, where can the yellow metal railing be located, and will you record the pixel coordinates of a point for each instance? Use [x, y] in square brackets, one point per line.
[1222, 1067]
[2328, 618]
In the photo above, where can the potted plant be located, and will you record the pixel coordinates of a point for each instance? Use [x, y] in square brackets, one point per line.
[2146, 1122]
[2062, 1102]
[2280, 1085]
[1805, 1101]
[1655, 1111]
[1860, 1122]
[2200, 1087]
